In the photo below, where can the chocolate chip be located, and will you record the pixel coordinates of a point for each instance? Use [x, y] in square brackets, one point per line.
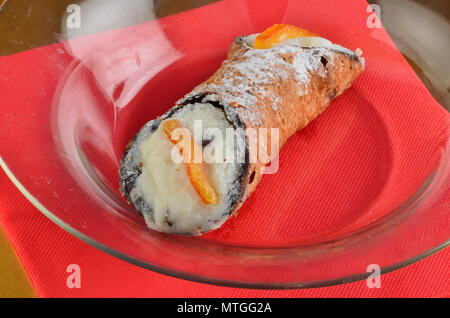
[206, 142]
[252, 176]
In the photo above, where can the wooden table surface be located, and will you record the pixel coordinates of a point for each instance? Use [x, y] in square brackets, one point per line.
[13, 279]
[26, 24]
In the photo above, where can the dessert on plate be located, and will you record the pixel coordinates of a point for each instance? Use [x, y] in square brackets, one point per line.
[279, 79]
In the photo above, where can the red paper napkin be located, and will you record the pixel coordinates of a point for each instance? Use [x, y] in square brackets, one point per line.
[388, 82]
[46, 251]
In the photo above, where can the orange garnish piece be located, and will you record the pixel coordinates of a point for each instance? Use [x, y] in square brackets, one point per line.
[278, 33]
[196, 172]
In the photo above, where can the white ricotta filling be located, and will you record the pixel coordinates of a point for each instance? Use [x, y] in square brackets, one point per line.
[310, 41]
[165, 185]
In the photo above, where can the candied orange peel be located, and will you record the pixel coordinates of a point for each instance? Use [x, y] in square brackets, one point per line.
[278, 33]
[196, 172]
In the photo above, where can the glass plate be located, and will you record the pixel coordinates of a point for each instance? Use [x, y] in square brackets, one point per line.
[64, 158]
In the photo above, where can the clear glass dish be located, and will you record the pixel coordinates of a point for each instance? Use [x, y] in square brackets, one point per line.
[65, 158]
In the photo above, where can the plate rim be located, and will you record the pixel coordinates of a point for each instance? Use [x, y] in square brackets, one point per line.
[197, 278]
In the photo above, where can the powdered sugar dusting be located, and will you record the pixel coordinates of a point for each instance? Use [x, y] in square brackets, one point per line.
[251, 77]
[245, 81]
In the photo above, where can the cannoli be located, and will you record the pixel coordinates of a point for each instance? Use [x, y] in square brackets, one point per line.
[280, 79]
